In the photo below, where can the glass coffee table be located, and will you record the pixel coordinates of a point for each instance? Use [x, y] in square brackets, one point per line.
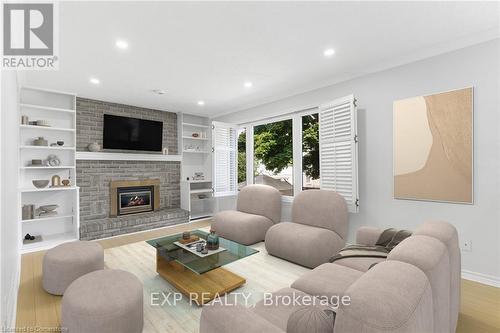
[201, 279]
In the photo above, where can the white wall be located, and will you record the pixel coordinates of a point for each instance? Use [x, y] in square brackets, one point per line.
[476, 66]
[9, 199]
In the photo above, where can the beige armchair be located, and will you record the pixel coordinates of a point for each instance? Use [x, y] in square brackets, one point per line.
[318, 230]
[257, 209]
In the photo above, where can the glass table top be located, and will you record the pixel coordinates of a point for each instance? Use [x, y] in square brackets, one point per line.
[169, 251]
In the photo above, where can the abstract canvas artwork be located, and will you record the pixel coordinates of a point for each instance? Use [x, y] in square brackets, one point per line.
[433, 147]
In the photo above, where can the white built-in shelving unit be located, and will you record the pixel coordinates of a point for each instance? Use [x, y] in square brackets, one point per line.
[196, 195]
[59, 110]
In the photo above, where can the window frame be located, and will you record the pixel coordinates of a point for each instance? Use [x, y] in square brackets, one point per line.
[296, 118]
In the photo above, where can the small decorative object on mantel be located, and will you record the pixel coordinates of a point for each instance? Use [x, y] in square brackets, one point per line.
[212, 240]
[53, 160]
[60, 143]
[40, 183]
[195, 135]
[94, 147]
[40, 142]
[165, 151]
[66, 182]
[24, 120]
[56, 181]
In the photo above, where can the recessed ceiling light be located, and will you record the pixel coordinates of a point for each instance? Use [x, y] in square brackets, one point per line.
[201, 103]
[121, 44]
[329, 52]
[248, 84]
[159, 91]
[93, 80]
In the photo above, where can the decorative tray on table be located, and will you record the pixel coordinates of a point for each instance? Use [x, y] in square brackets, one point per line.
[191, 247]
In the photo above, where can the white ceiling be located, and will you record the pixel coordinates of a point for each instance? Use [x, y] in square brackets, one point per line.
[206, 51]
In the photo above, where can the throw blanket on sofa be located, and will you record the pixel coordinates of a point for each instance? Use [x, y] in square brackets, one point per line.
[387, 240]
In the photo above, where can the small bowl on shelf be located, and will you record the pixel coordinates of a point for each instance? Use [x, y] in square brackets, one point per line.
[40, 183]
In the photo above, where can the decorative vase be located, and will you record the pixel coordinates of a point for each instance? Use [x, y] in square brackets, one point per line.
[212, 241]
[94, 147]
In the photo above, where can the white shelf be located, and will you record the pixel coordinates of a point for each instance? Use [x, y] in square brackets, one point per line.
[48, 242]
[46, 167]
[204, 190]
[195, 152]
[46, 189]
[105, 156]
[48, 147]
[51, 91]
[47, 108]
[195, 125]
[50, 218]
[47, 128]
[192, 138]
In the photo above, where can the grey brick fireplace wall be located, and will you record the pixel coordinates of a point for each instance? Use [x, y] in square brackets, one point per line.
[94, 177]
[90, 115]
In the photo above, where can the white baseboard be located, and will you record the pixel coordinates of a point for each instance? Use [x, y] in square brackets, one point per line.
[489, 280]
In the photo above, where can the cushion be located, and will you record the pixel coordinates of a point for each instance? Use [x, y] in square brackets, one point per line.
[328, 280]
[278, 308]
[217, 317]
[393, 296]
[65, 263]
[105, 301]
[323, 209]
[302, 244]
[431, 256]
[447, 234]
[360, 264]
[262, 200]
[311, 319]
[241, 227]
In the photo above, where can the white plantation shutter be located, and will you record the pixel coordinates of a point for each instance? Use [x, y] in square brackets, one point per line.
[338, 149]
[225, 159]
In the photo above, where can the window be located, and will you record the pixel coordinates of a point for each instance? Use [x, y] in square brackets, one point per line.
[310, 152]
[242, 158]
[310, 149]
[273, 155]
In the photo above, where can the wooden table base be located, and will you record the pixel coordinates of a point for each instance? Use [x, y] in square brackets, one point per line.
[199, 288]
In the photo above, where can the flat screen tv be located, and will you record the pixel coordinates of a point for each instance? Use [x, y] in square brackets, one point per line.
[132, 134]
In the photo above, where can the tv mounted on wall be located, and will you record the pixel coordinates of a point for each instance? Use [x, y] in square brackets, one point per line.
[132, 133]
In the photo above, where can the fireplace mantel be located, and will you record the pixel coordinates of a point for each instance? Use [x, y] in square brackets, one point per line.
[107, 156]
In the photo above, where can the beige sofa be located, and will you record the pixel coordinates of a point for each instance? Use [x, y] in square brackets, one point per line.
[318, 229]
[257, 209]
[416, 289]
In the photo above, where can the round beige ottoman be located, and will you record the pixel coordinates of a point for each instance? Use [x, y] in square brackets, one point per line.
[65, 263]
[106, 301]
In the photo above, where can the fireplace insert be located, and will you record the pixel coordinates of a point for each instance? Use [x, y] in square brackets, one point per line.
[135, 199]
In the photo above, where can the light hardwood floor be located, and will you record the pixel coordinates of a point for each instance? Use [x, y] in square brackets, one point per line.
[480, 306]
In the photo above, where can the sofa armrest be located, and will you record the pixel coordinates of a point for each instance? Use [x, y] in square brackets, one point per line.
[393, 296]
[368, 235]
[233, 318]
